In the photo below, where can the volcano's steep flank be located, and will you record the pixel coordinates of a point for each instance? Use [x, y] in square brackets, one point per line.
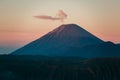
[69, 40]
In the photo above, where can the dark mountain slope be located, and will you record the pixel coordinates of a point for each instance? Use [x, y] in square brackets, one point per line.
[106, 49]
[58, 42]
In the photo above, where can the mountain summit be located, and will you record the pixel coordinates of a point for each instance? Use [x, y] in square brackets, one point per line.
[74, 35]
[59, 41]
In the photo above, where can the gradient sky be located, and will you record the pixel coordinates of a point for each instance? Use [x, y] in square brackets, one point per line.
[18, 26]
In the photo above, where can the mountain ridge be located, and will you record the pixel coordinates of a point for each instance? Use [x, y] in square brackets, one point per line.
[62, 41]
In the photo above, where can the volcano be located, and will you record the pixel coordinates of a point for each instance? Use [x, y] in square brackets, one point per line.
[59, 42]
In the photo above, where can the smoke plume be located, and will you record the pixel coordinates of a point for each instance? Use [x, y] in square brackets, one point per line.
[61, 15]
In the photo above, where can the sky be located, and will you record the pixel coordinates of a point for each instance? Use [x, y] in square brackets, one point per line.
[18, 26]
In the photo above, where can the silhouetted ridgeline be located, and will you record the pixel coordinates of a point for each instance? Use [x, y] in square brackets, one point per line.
[56, 68]
[70, 40]
[58, 42]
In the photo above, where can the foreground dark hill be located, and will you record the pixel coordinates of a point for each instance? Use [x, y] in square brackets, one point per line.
[59, 41]
[49, 68]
